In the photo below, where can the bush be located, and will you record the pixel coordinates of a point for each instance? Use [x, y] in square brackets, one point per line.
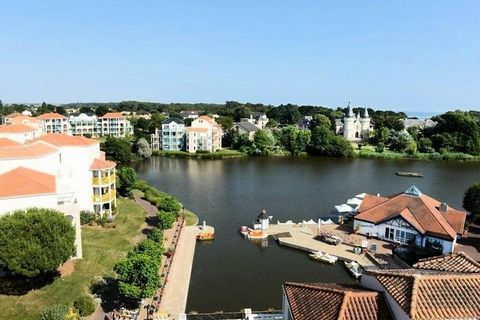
[166, 219]
[169, 204]
[85, 306]
[156, 234]
[380, 147]
[56, 312]
[86, 217]
[150, 248]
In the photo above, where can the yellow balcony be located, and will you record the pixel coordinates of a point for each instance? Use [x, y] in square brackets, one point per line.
[96, 181]
[107, 197]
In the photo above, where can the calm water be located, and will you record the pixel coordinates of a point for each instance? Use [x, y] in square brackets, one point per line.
[231, 273]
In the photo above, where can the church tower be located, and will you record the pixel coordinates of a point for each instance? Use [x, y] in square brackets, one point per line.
[349, 123]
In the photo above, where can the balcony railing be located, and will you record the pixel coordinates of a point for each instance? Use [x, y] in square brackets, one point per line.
[96, 181]
[106, 197]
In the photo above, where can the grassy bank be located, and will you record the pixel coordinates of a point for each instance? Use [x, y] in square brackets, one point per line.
[391, 155]
[222, 154]
[102, 248]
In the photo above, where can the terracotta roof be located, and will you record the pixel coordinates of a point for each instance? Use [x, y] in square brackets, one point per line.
[13, 115]
[5, 142]
[102, 164]
[23, 119]
[16, 128]
[454, 262]
[422, 212]
[51, 115]
[197, 129]
[426, 294]
[324, 301]
[32, 150]
[207, 118]
[60, 139]
[112, 115]
[22, 182]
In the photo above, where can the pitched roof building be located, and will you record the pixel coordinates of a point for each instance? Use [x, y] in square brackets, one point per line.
[455, 262]
[410, 216]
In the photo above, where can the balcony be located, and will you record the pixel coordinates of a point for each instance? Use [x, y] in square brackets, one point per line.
[97, 181]
[106, 197]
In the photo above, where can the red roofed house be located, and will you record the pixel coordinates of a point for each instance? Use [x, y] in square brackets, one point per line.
[410, 216]
[114, 124]
[54, 123]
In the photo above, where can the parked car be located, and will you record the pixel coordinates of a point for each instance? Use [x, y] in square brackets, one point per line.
[331, 239]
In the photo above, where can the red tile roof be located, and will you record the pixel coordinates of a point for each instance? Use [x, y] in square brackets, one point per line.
[422, 212]
[426, 294]
[326, 301]
[16, 128]
[200, 130]
[23, 182]
[112, 115]
[208, 119]
[454, 262]
[32, 150]
[60, 139]
[5, 142]
[51, 115]
[99, 164]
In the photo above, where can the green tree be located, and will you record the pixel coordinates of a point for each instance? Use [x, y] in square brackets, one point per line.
[86, 110]
[118, 149]
[156, 235]
[84, 305]
[150, 248]
[61, 110]
[471, 200]
[138, 276]
[285, 114]
[143, 148]
[294, 140]
[35, 241]
[380, 147]
[101, 110]
[225, 122]
[325, 142]
[425, 145]
[263, 143]
[399, 141]
[126, 180]
[272, 124]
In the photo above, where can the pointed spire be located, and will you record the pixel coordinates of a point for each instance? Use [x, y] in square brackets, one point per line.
[413, 191]
[350, 110]
[365, 114]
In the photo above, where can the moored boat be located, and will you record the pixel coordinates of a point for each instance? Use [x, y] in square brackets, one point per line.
[354, 268]
[244, 231]
[257, 234]
[323, 257]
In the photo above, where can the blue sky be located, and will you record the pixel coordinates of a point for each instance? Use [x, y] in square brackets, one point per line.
[403, 55]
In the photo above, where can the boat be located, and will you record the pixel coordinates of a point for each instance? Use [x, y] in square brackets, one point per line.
[354, 268]
[323, 257]
[205, 236]
[257, 234]
[331, 239]
[244, 231]
[409, 174]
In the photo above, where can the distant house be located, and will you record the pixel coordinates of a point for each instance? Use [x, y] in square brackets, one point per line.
[444, 287]
[83, 124]
[419, 123]
[204, 134]
[114, 124]
[170, 137]
[305, 122]
[246, 128]
[260, 120]
[189, 114]
[410, 216]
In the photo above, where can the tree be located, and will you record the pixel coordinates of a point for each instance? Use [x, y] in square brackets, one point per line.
[225, 122]
[325, 142]
[61, 110]
[471, 200]
[118, 149]
[143, 148]
[126, 180]
[85, 109]
[101, 110]
[399, 141]
[35, 241]
[294, 140]
[272, 124]
[150, 248]
[285, 114]
[170, 204]
[156, 234]
[380, 147]
[84, 305]
[263, 143]
[425, 145]
[137, 276]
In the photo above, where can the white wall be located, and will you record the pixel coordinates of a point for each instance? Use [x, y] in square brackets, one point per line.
[48, 163]
[20, 137]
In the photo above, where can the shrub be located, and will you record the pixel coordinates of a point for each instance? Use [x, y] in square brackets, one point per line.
[86, 217]
[56, 312]
[380, 147]
[85, 305]
[150, 248]
[169, 204]
[156, 234]
[102, 220]
[166, 219]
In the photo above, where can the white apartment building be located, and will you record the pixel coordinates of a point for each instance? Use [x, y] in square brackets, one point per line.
[114, 124]
[19, 132]
[205, 134]
[57, 171]
[171, 137]
[82, 124]
[54, 123]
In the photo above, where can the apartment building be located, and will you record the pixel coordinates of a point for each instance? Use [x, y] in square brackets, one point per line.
[114, 124]
[54, 123]
[205, 134]
[171, 137]
[83, 124]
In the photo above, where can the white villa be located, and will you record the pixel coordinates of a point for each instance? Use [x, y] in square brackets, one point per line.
[410, 216]
[260, 120]
[171, 137]
[114, 124]
[54, 123]
[205, 134]
[57, 171]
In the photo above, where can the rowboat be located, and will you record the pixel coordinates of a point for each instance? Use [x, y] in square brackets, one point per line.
[323, 257]
[354, 268]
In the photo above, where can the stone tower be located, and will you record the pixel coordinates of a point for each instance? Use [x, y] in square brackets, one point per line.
[365, 122]
[349, 123]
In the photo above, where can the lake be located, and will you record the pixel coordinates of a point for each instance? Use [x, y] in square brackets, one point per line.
[231, 273]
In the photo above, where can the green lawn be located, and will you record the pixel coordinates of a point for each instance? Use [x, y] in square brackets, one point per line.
[101, 249]
[191, 218]
[224, 153]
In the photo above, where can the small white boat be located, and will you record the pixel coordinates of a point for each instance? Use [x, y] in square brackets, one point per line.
[323, 257]
[354, 268]
[244, 231]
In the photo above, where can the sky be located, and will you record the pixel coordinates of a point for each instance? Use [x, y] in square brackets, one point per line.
[417, 56]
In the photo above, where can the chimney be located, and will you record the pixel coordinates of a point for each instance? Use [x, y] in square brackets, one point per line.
[443, 207]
